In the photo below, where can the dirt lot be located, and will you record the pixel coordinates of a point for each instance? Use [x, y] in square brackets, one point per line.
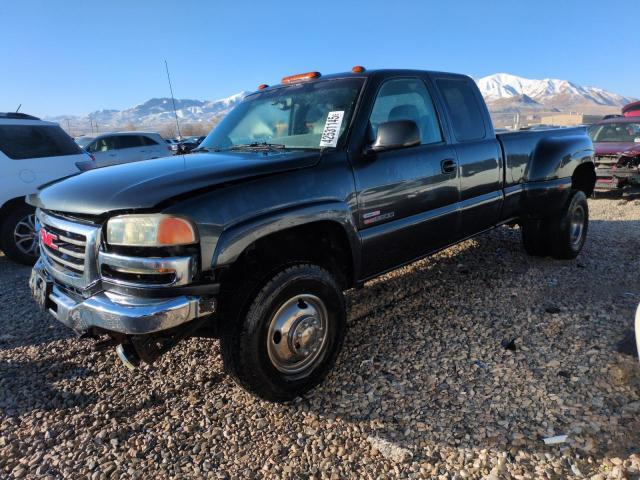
[423, 388]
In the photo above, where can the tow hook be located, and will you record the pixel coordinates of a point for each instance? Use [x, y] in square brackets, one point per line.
[134, 349]
[128, 356]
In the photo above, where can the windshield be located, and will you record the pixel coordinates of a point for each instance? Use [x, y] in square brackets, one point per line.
[84, 141]
[616, 132]
[295, 116]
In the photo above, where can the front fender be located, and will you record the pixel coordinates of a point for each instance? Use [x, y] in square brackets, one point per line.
[235, 239]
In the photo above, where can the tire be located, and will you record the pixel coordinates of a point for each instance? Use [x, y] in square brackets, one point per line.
[568, 230]
[18, 239]
[535, 237]
[288, 337]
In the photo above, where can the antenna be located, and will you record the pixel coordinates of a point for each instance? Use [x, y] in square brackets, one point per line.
[173, 100]
[17, 109]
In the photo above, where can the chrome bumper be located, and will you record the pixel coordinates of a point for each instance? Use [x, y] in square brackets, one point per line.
[122, 313]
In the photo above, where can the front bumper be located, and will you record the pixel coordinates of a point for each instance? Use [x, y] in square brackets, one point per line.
[111, 312]
[613, 178]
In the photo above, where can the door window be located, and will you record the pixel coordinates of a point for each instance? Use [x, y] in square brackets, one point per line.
[406, 99]
[20, 142]
[130, 141]
[103, 145]
[466, 116]
[148, 141]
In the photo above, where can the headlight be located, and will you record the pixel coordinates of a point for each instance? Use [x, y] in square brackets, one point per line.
[150, 231]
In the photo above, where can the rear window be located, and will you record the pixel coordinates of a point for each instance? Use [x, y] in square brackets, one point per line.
[20, 142]
[465, 113]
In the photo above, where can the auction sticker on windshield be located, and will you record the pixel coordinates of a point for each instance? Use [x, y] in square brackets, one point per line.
[331, 130]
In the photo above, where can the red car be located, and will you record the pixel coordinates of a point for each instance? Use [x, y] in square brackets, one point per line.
[617, 145]
[631, 110]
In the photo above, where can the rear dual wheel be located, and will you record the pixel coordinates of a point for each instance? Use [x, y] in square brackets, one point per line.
[288, 337]
[561, 236]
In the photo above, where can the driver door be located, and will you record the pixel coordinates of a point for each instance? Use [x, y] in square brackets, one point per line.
[407, 197]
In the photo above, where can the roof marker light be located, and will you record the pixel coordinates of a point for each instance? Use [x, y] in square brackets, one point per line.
[263, 86]
[300, 76]
[358, 69]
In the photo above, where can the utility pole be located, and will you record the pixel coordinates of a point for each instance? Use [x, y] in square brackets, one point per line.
[173, 100]
[69, 128]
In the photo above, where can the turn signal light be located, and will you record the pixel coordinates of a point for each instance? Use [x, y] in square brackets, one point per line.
[300, 76]
[175, 231]
[358, 69]
[263, 86]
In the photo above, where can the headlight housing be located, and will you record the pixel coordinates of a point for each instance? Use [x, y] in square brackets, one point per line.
[154, 230]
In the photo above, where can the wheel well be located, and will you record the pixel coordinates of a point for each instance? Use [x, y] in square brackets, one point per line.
[584, 178]
[9, 204]
[324, 243]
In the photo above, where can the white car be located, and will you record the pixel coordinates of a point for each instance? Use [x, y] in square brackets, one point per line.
[124, 147]
[32, 153]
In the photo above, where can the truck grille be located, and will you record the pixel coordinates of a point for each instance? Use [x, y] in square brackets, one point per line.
[69, 249]
[66, 249]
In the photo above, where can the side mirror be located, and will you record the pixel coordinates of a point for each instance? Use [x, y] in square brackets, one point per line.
[395, 134]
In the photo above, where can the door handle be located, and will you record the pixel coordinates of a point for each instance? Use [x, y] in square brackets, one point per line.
[448, 165]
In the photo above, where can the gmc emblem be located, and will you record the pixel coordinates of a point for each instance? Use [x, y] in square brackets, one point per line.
[48, 239]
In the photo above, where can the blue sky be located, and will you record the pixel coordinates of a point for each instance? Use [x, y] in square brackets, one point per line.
[73, 57]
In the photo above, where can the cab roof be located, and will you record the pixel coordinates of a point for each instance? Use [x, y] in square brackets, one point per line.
[385, 72]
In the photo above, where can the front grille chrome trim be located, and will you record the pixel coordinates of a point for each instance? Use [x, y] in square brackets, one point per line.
[72, 241]
[66, 263]
[182, 268]
[79, 275]
[71, 253]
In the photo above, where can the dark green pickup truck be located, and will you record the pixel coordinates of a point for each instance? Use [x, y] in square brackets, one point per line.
[306, 189]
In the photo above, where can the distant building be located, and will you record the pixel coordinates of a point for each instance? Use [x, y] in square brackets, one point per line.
[570, 119]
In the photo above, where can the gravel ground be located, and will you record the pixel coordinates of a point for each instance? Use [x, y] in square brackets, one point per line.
[423, 388]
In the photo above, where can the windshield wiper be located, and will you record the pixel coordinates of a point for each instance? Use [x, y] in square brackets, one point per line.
[260, 147]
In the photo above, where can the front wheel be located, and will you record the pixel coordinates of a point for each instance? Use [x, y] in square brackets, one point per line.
[288, 338]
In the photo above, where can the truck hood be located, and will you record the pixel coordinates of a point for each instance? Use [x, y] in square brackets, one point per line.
[143, 185]
[616, 148]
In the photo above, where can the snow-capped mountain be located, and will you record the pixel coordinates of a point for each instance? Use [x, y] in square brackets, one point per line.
[504, 93]
[503, 90]
[153, 114]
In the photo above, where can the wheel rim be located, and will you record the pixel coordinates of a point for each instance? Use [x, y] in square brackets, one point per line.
[297, 335]
[25, 236]
[577, 225]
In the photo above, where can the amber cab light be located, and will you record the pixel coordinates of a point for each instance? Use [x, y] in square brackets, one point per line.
[358, 69]
[300, 76]
[263, 86]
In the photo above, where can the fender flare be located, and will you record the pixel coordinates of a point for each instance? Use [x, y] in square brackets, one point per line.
[236, 238]
[558, 157]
